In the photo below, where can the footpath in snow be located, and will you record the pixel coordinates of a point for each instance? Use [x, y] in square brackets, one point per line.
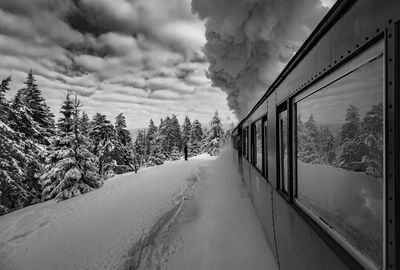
[103, 229]
[217, 228]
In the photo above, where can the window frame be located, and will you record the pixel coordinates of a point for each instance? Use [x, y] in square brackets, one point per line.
[254, 146]
[284, 107]
[245, 142]
[393, 133]
[264, 119]
[362, 58]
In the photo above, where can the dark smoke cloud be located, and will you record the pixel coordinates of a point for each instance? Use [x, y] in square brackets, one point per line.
[250, 41]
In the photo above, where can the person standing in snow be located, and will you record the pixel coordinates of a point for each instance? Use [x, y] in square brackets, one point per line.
[185, 150]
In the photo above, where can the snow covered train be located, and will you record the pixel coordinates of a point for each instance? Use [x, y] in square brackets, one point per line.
[320, 152]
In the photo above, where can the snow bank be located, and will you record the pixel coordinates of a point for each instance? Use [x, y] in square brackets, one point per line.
[95, 230]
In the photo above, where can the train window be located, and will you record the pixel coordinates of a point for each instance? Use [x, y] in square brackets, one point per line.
[239, 142]
[257, 146]
[246, 143]
[265, 154]
[283, 152]
[340, 158]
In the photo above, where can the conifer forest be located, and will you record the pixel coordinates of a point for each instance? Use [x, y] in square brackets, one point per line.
[43, 158]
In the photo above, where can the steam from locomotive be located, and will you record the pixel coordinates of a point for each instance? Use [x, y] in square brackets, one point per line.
[250, 41]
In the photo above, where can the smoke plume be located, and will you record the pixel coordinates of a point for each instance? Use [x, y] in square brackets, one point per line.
[250, 41]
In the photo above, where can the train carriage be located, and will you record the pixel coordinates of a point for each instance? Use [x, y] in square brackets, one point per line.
[319, 152]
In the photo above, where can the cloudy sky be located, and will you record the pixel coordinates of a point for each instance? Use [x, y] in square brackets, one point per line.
[139, 57]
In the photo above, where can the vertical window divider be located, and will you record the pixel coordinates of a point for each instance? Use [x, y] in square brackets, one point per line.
[253, 145]
[264, 135]
[294, 149]
[290, 147]
[257, 148]
[282, 171]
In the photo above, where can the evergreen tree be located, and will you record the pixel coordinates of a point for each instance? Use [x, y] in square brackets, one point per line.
[123, 155]
[173, 133]
[308, 136]
[38, 109]
[105, 144]
[22, 121]
[186, 130]
[352, 124]
[84, 124]
[371, 134]
[212, 142]
[120, 127]
[351, 149]
[14, 193]
[65, 122]
[139, 148]
[28, 132]
[162, 137]
[17, 163]
[155, 156]
[71, 169]
[195, 141]
[4, 104]
[151, 138]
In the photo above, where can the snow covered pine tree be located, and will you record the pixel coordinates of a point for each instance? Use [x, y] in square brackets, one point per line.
[14, 192]
[196, 135]
[214, 135]
[106, 145]
[155, 157]
[186, 130]
[27, 124]
[37, 109]
[71, 169]
[123, 155]
[140, 149]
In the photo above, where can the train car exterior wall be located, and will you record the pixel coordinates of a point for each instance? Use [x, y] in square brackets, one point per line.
[356, 38]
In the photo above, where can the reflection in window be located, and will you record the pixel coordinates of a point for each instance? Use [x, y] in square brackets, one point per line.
[340, 157]
[258, 145]
[283, 152]
[265, 149]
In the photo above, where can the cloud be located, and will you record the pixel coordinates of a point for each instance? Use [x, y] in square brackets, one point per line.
[142, 57]
[168, 22]
[119, 44]
[250, 41]
[186, 36]
[165, 94]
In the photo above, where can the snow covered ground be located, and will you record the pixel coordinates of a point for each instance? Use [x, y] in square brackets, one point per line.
[217, 229]
[95, 230]
[182, 215]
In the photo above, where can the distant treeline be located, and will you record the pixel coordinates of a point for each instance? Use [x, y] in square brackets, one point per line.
[42, 159]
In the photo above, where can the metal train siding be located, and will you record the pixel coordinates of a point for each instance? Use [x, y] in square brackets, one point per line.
[319, 152]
